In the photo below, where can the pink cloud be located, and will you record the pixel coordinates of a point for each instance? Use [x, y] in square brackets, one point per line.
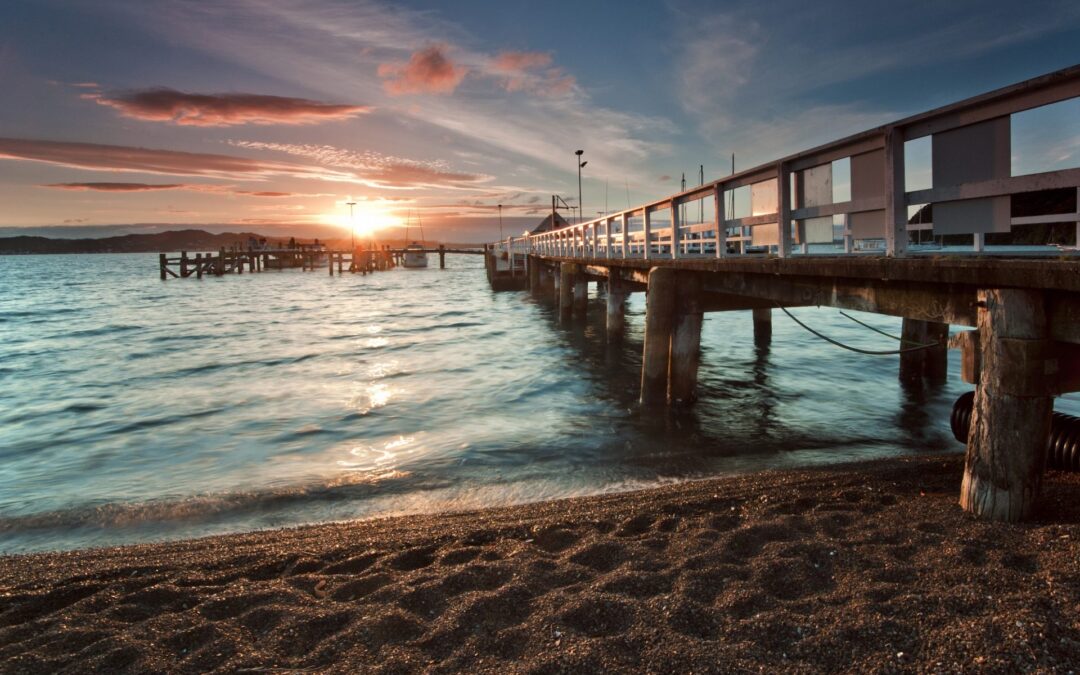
[222, 110]
[515, 62]
[193, 187]
[429, 70]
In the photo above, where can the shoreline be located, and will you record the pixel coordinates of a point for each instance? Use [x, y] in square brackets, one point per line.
[859, 566]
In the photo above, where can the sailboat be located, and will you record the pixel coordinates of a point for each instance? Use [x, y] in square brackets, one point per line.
[415, 253]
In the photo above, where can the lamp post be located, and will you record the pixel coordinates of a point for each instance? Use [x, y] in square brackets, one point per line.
[580, 166]
[500, 223]
[352, 225]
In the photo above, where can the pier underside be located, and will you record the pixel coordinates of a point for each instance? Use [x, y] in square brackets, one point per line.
[1025, 349]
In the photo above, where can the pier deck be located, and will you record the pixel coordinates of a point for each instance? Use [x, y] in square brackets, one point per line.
[785, 251]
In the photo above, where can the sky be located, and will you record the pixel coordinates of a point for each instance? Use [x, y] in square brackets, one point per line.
[271, 115]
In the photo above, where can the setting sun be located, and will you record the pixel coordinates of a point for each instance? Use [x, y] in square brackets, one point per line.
[366, 218]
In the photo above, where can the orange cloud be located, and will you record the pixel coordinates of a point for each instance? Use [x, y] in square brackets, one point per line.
[428, 71]
[222, 110]
[530, 71]
[193, 187]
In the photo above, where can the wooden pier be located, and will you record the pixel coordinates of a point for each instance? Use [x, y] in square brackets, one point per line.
[1024, 304]
[237, 261]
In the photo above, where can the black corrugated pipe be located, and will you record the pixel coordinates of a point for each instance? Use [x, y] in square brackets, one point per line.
[1063, 447]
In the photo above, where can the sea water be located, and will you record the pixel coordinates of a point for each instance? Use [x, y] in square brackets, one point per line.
[133, 409]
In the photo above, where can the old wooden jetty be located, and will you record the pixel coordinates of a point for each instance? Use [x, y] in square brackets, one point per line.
[797, 246]
[238, 260]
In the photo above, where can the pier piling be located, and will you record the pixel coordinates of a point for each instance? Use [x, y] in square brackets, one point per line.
[581, 290]
[932, 363]
[659, 322]
[442, 256]
[617, 293]
[685, 340]
[1013, 405]
[762, 326]
[565, 287]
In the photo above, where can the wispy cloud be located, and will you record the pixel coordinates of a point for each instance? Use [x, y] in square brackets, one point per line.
[374, 169]
[531, 72]
[428, 71]
[192, 187]
[222, 110]
[122, 158]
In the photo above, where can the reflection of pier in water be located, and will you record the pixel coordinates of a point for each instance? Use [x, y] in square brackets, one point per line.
[1024, 304]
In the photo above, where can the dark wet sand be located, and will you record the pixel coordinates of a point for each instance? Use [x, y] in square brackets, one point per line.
[862, 567]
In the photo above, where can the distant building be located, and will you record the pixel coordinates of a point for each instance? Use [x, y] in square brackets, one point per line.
[552, 222]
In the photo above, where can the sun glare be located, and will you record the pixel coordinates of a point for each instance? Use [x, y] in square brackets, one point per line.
[366, 219]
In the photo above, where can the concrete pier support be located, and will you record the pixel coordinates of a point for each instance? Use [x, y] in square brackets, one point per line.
[534, 274]
[565, 286]
[617, 292]
[685, 341]
[931, 364]
[659, 323]
[1010, 423]
[762, 326]
[556, 284]
[581, 291]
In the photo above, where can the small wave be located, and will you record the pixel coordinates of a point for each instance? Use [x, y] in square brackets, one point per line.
[205, 507]
[103, 330]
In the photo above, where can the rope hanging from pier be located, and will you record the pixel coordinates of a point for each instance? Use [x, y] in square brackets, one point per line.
[881, 332]
[858, 350]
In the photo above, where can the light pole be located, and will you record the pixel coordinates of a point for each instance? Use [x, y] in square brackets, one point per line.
[352, 224]
[580, 166]
[500, 223]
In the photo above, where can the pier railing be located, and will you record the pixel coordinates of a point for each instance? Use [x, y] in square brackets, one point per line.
[791, 202]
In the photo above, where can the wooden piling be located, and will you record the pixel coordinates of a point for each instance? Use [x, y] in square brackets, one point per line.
[219, 268]
[1010, 422]
[442, 256]
[659, 321]
[932, 363]
[685, 341]
[616, 307]
[566, 289]
[762, 326]
[581, 290]
[183, 264]
[198, 265]
[534, 275]
[162, 265]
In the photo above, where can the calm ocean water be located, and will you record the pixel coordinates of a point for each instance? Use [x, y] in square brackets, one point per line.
[138, 410]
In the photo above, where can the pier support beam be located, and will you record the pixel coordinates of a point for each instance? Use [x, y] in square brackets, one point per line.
[617, 292]
[932, 363]
[762, 326]
[442, 256]
[581, 290]
[1010, 423]
[659, 323]
[686, 341]
[534, 275]
[565, 286]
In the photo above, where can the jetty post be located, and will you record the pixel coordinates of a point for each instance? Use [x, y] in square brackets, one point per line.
[931, 363]
[581, 290]
[685, 340]
[762, 317]
[163, 266]
[617, 293]
[442, 256]
[1010, 421]
[565, 288]
[659, 322]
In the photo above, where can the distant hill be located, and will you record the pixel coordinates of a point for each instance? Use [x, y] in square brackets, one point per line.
[177, 240]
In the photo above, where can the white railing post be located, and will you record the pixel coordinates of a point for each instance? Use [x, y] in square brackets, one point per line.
[623, 225]
[607, 236]
[596, 240]
[647, 217]
[783, 209]
[718, 220]
[895, 200]
[675, 225]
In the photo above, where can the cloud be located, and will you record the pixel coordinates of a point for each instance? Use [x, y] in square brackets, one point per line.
[375, 169]
[192, 187]
[515, 62]
[122, 158]
[429, 70]
[222, 110]
[530, 71]
[116, 187]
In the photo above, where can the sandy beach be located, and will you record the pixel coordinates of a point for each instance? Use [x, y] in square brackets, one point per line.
[859, 567]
